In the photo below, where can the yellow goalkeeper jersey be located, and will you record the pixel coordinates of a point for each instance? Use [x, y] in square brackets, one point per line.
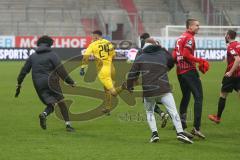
[103, 52]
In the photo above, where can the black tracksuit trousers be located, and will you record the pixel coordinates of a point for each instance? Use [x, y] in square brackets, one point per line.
[190, 83]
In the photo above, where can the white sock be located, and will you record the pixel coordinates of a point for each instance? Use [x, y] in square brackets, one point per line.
[151, 121]
[45, 113]
[162, 114]
[68, 123]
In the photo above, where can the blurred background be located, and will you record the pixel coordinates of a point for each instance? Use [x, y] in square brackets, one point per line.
[119, 19]
[122, 21]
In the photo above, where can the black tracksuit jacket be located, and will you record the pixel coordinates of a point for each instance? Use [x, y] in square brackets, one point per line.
[46, 72]
[153, 65]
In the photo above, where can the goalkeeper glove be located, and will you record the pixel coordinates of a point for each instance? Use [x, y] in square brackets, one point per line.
[82, 72]
[203, 66]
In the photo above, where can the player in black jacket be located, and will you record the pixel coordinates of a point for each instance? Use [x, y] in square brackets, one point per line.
[153, 65]
[164, 116]
[46, 71]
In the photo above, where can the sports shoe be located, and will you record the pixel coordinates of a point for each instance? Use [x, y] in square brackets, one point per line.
[43, 119]
[164, 120]
[214, 118]
[181, 137]
[197, 133]
[187, 134]
[106, 111]
[69, 128]
[154, 138]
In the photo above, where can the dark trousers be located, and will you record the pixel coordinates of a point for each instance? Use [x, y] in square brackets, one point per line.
[63, 109]
[190, 83]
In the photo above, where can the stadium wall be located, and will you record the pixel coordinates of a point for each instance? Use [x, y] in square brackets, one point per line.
[15, 48]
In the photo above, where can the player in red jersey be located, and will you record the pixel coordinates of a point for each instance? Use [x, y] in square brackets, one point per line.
[188, 76]
[231, 79]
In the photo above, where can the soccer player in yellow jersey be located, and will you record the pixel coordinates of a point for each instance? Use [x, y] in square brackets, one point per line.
[103, 52]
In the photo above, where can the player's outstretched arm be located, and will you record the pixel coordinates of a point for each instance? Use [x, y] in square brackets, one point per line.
[170, 59]
[187, 55]
[133, 76]
[61, 71]
[85, 59]
[203, 64]
[24, 71]
[84, 65]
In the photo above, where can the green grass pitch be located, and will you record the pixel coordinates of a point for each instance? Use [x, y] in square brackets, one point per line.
[117, 136]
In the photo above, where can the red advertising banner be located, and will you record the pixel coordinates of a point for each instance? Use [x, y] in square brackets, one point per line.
[59, 41]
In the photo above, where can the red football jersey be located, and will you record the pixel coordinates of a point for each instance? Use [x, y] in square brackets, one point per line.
[233, 49]
[186, 40]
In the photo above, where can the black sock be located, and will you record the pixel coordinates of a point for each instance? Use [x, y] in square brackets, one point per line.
[49, 109]
[183, 118]
[221, 106]
[157, 110]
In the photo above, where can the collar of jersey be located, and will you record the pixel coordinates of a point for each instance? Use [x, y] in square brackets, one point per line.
[190, 32]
